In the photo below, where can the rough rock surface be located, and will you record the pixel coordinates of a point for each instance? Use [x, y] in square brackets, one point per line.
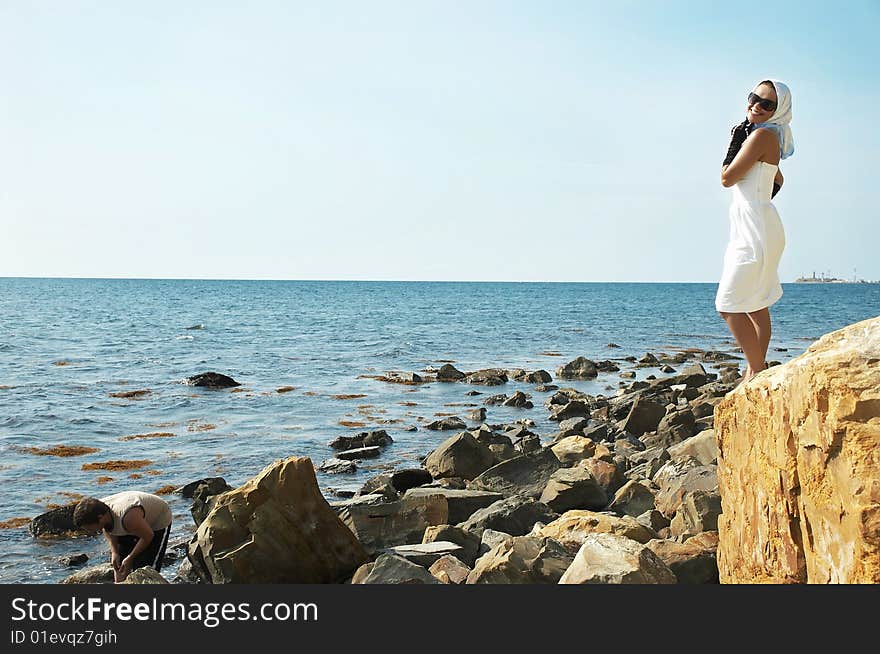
[798, 466]
[522, 560]
[610, 559]
[573, 526]
[276, 528]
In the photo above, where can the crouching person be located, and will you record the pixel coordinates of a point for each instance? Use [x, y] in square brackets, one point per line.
[135, 524]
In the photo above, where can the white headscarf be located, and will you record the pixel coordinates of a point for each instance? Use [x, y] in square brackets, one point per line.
[780, 119]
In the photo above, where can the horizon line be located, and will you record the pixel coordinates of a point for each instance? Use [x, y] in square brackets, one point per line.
[426, 281]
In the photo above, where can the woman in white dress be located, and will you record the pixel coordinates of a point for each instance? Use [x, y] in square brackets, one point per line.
[750, 282]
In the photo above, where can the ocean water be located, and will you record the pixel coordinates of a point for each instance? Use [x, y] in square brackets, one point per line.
[67, 344]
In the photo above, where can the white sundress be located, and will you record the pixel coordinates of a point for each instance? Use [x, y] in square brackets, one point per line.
[749, 280]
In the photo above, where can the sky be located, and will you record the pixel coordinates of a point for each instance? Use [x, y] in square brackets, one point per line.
[516, 141]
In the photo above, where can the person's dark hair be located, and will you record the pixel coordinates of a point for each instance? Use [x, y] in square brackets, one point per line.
[88, 510]
[768, 83]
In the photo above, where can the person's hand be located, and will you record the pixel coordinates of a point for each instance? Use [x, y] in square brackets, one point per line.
[738, 136]
[115, 560]
[124, 570]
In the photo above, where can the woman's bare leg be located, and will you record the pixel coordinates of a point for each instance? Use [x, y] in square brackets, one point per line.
[745, 333]
[761, 321]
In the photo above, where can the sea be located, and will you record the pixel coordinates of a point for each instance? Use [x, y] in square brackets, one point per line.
[70, 349]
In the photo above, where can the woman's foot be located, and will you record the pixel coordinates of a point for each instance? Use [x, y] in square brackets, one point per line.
[748, 374]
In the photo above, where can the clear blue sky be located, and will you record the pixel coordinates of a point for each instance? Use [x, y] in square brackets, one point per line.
[545, 141]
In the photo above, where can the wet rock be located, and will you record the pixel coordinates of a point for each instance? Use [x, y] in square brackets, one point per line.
[449, 373]
[611, 559]
[360, 453]
[54, 523]
[493, 400]
[627, 374]
[96, 574]
[186, 574]
[472, 393]
[377, 438]
[538, 377]
[392, 569]
[580, 368]
[607, 366]
[73, 560]
[546, 388]
[448, 423]
[204, 497]
[214, 486]
[449, 570]
[522, 560]
[459, 456]
[488, 377]
[518, 399]
[211, 380]
[667, 369]
[526, 474]
[276, 528]
[337, 466]
[573, 488]
[513, 515]
[476, 415]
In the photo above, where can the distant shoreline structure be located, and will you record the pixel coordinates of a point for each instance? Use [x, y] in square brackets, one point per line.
[822, 279]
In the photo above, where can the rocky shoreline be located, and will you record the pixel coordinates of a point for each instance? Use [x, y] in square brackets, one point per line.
[624, 491]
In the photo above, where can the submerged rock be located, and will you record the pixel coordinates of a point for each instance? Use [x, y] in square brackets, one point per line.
[211, 380]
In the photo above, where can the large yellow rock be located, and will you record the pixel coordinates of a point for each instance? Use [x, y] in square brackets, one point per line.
[799, 466]
[276, 528]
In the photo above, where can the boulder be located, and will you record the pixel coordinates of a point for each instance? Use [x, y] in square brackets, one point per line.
[95, 574]
[526, 474]
[462, 504]
[580, 368]
[334, 466]
[449, 373]
[379, 523]
[213, 486]
[520, 400]
[204, 497]
[446, 424]
[573, 427]
[644, 416]
[360, 453]
[449, 570]
[573, 526]
[392, 569]
[469, 542]
[611, 559]
[398, 481]
[798, 466]
[673, 489]
[699, 512]
[376, 438]
[487, 377]
[211, 380]
[476, 415]
[692, 562]
[607, 474]
[632, 499]
[573, 488]
[513, 515]
[276, 528]
[459, 456]
[490, 538]
[73, 560]
[703, 447]
[56, 522]
[145, 575]
[572, 409]
[522, 560]
[573, 449]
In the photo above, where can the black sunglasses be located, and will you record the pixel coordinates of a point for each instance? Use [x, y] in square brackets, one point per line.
[764, 103]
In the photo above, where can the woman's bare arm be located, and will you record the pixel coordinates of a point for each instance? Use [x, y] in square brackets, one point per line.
[760, 143]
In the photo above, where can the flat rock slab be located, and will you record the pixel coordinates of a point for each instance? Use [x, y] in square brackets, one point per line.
[462, 503]
[360, 453]
[425, 554]
[513, 515]
[379, 523]
[527, 474]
